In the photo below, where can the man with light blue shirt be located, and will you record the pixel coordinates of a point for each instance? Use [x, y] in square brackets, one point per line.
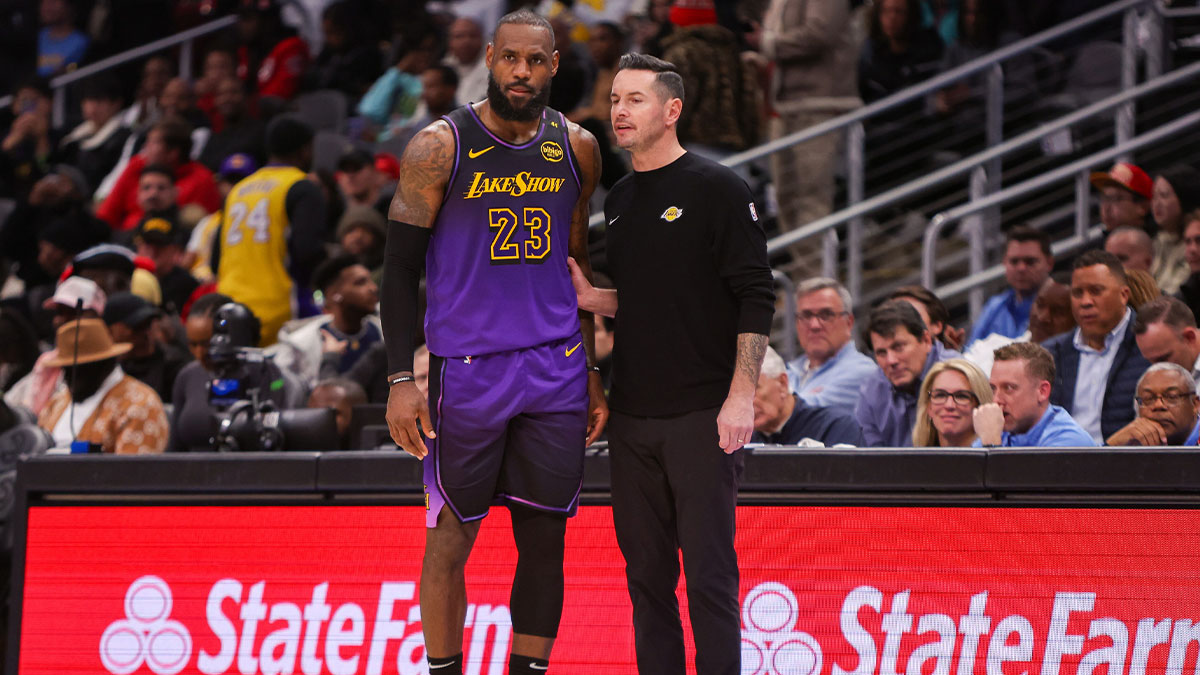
[831, 370]
[1027, 265]
[1099, 363]
[1021, 415]
[1168, 409]
[905, 351]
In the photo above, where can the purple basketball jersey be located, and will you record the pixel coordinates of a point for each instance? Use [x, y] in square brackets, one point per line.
[496, 269]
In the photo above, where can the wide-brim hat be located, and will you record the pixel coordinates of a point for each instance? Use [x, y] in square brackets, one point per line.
[85, 341]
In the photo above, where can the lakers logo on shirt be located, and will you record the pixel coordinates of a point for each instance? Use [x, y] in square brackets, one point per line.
[672, 214]
[551, 151]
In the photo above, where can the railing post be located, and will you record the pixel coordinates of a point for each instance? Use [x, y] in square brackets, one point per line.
[855, 191]
[1125, 114]
[1153, 21]
[1083, 204]
[973, 227]
[185, 59]
[995, 122]
[58, 113]
[829, 253]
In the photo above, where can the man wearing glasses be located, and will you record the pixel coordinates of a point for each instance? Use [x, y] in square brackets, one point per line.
[1021, 415]
[831, 370]
[1167, 408]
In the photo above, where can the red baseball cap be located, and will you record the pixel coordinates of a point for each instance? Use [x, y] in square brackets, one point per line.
[386, 163]
[1125, 175]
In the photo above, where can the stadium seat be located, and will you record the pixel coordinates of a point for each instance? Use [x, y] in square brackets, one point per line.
[323, 110]
[328, 148]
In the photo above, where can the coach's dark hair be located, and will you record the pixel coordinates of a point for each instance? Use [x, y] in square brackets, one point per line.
[1101, 257]
[667, 78]
[526, 17]
[892, 316]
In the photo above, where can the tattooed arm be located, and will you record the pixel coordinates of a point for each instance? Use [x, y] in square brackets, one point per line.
[424, 170]
[735, 423]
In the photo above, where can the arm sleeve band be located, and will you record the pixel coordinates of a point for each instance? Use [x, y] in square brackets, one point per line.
[403, 263]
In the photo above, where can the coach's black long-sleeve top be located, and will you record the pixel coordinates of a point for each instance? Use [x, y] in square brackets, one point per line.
[688, 256]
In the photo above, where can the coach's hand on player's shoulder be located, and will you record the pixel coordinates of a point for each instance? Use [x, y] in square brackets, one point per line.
[406, 408]
[735, 423]
[597, 407]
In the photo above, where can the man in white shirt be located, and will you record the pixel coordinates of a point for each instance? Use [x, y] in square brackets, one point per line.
[465, 55]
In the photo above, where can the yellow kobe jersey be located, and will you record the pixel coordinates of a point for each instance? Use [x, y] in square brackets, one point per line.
[254, 251]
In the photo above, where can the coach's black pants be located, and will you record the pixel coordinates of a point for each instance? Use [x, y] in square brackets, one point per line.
[673, 489]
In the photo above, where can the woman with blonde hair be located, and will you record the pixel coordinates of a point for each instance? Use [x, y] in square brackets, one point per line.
[951, 392]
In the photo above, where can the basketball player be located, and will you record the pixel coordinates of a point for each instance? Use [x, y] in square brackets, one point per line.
[492, 199]
[272, 232]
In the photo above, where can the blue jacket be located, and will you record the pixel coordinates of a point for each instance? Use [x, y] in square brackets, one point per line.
[1128, 366]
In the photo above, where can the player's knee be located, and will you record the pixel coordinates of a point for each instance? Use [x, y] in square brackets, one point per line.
[538, 534]
[448, 546]
[537, 592]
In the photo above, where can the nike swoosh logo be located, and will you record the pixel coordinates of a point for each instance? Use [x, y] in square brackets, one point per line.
[537, 667]
[475, 153]
[613, 220]
[572, 349]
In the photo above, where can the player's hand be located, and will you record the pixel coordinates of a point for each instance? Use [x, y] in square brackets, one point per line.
[406, 407]
[735, 423]
[1141, 431]
[989, 423]
[583, 287]
[597, 407]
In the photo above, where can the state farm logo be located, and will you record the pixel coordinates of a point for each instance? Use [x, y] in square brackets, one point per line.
[146, 634]
[247, 628]
[771, 645]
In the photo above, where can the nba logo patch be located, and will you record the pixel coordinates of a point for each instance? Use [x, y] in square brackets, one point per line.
[753, 213]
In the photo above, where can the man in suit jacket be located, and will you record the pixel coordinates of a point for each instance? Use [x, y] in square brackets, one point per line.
[1099, 363]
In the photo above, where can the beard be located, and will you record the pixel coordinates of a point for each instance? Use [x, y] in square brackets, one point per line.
[504, 108]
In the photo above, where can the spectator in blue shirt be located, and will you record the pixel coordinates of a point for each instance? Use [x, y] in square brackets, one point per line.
[1027, 265]
[831, 370]
[60, 46]
[1021, 414]
[1167, 408]
[905, 351]
[783, 418]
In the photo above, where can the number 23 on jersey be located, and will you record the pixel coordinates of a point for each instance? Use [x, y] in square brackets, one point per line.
[503, 222]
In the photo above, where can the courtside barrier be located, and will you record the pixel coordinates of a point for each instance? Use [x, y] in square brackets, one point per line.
[854, 562]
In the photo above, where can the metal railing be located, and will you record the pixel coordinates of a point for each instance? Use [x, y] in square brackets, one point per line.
[1078, 171]
[184, 39]
[853, 124]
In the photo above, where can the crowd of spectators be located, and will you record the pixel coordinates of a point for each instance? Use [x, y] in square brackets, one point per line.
[117, 220]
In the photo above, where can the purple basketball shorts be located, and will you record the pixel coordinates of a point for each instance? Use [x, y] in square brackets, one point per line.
[510, 428]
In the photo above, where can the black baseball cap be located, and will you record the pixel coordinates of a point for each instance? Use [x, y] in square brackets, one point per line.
[355, 159]
[160, 228]
[129, 309]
